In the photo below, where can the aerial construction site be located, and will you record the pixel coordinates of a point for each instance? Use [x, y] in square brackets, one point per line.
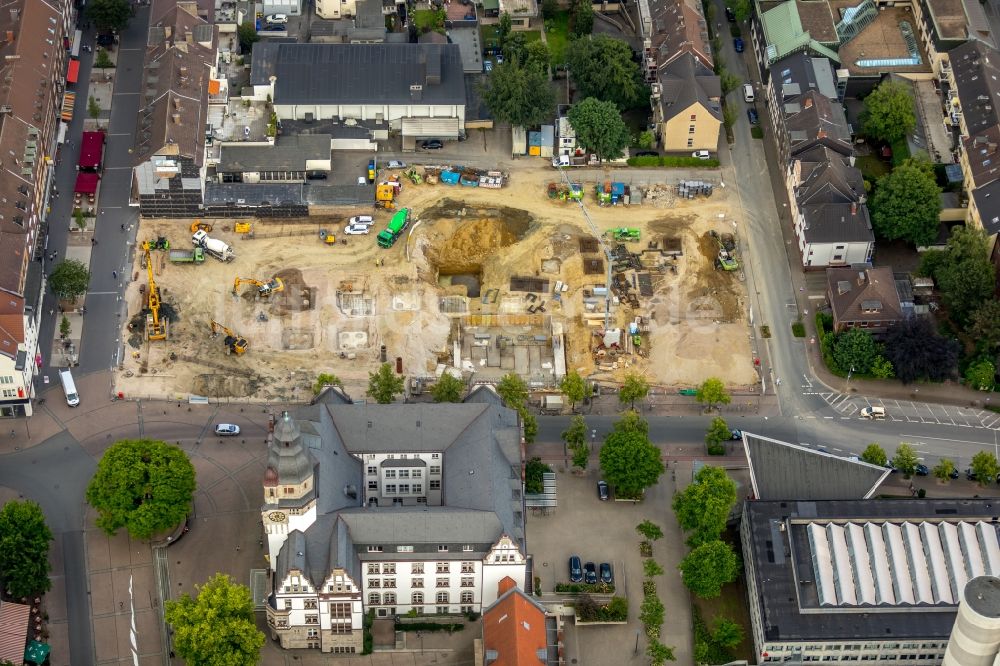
[479, 280]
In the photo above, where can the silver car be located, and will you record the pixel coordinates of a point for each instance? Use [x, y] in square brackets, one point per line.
[396, 164]
[227, 430]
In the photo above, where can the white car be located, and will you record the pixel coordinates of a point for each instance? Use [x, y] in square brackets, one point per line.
[227, 430]
[396, 164]
[701, 154]
[276, 18]
[362, 220]
[357, 229]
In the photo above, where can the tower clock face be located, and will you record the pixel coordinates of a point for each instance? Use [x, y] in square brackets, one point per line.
[276, 517]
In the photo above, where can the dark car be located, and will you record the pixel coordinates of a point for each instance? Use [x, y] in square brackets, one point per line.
[646, 153]
[922, 470]
[954, 473]
[606, 575]
[432, 144]
[969, 475]
[738, 44]
[575, 570]
[752, 116]
[589, 573]
[891, 467]
[730, 16]
[736, 434]
[602, 491]
[105, 39]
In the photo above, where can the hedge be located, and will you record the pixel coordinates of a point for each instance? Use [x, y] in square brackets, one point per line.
[430, 626]
[588, 610]
[585, 588]
[672, 161]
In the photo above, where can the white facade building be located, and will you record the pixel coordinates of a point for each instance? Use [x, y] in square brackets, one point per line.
[18, 350]
[335, 9]
[391, 509]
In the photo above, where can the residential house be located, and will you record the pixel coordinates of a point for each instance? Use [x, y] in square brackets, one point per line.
[32, 96]
[792, 80]
[686, 93]
[179, 78]
[363, 24]
[863, 298]
[389, 508]
[780, 28]
[335, 9]
[946, 24]
[517, 630]
[828, 209]
[521, 12]
[417, 89]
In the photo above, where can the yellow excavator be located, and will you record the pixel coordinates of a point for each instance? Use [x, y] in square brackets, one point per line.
[235, 343]
[204, 226]
[156, 328]
[264, 289]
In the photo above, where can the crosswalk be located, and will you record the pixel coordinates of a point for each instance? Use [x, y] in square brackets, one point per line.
[847, 406]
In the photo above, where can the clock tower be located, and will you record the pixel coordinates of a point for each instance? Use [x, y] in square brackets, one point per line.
[289, 490]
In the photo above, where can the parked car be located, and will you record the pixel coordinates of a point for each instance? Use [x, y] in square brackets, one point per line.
[606, 575]
[702, 154]
[575, 570]
[646, 153]
[922, 470]
[487, 65]
[589, 573]
[277, 19]
[730, 16]
[752, 116]
[396, 164]
[738, 44]
[227, 430]
[736, 435]
[357, 229]
[432, 144]
[876, 413]
[602, 491]
[362, 220]
[954, 473]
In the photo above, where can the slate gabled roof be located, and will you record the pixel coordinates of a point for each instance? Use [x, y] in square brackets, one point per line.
[686, 81]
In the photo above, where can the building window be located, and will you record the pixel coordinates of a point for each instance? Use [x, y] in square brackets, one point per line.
[442, 597]
[468, 597]
[340, 610]
[289, 491]
[435, 456]
[374, 582]
[312, 619]
[417, 568]
[404, 488]
[390, 474]
[435, 484]
[281, 623]
[312, 632]
[441, 610]
[373, 598]
[288, 604]
[443, 567]
[468, 567]
[690, 129]
[404, 473]
[442, 582]
[418, 488]
[389, 582]
[389, 598]
[372, 469]
[373, 568]
[373, 485]
[374, 549]
[389, 568]
[690, 143]
[694, 117]
[390, 488]
[468, 581]
[417, 582]
[418, 473]
[309, 603]
[404, 549]
[417, 598]
[443, 549]
[435, 470]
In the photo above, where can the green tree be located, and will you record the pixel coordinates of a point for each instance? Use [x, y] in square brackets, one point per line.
[882, 368]
[505, 27]
[708, 567]
[575, 438]
[659, 653]
[651, 611]
[889, 113]
[712, 392]
[630, 421]
[980, 376]
[69, 279]
[246, 33]
[581, 455]
[630, 462]
[906, 204]
[729, 82]
[573, 387]
[905, 460]
[64, 327]
[217, 628]
[944, 469]
[703, 507]
[93, 108]
[718, 432]
[985, 323]
[634, 388]
[855, 349]
[325, 379]
[537, 57]
[102, 60]
[985, 467]
[603, 67]
[963, 272]
[727, 633]
[143, 485]
[106, 15]
[875, 455]
[649, 530]
[518, 95]
[513, 391]
[581, 18]
[530, 423]
[646, 140]
[917, 351]
[599, 127]
[651, 568]
[741, 9]
[448, 388]
[24, 549]
[384, 384]
[533, 471]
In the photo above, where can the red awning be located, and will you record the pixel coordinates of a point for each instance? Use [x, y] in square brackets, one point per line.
[13, 631]
[86, 182]
[91, 150]
[73, 72]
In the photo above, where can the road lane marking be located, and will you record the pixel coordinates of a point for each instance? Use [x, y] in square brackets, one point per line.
[941, 439]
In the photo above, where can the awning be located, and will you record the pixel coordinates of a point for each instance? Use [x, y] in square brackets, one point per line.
[37, 652]
[86, 182]
[73, 73]
[69, 101]
[91, 150]
[61, 136]
[13, 630]
[431, 128]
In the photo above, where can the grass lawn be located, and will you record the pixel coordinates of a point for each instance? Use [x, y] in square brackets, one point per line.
[488, 36]
[557, 36]
[871, 167]
[428, 19]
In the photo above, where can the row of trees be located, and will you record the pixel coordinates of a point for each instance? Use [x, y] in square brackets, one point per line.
[984, 465]
[702, 510]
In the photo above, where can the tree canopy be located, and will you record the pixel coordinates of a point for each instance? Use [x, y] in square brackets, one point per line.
[875, 455]
[963, 272]
[918, 352]
[69, 279]
[703, 507]
[599, 127]
[708, 567]
[384, 384]
[630, 462]
[712, 392]
[247, 35]
[985, 324]
[537, 57]
[944, 469]
[24, 549]
[143, 485]
[325, 379]
[575, 437]
[216, 628]
[855, 349]
[718, 432]
[634, 388]
[889, 113]
[907, 203]
[905, 460]
[519, 95]
[448, 388]
[513, 391]
[985, 467]
[109, 14]
[981, 375]
[573, 387]
[603, 67]
[741, 9]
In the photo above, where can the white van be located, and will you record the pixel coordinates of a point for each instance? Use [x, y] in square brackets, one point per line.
[875, 413]
[748, 93]
[69, 388]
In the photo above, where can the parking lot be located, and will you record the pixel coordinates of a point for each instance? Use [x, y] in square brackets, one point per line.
[905, 411]
[598, 532]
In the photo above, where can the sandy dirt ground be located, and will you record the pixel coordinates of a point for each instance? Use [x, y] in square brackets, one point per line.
[341, 303]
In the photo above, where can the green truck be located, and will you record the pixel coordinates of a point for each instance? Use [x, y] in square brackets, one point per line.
[194, 256]
[398, 223]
